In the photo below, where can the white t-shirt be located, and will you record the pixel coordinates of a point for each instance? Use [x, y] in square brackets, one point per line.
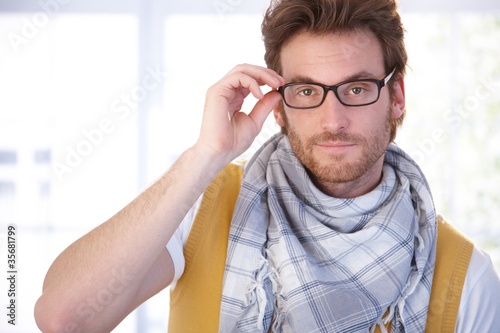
[479, 309]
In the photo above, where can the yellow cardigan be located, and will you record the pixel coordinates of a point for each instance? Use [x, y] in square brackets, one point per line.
[195, 301]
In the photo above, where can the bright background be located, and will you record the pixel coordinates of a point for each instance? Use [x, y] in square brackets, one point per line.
[98, 98]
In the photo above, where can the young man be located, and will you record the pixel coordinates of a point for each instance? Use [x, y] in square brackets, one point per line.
[334, 228]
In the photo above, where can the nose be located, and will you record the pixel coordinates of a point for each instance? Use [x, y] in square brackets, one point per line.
[333, 114]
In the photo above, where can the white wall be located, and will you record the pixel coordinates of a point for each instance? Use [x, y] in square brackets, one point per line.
[72, 81]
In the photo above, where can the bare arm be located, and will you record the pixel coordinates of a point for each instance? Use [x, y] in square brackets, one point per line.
[98, 280]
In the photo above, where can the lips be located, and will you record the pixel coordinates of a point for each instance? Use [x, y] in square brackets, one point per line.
[335, 144]
[335, 147]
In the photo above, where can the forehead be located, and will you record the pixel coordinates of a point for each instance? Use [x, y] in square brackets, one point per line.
[331, 58]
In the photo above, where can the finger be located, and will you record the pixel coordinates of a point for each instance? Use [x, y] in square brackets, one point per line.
[263, 107]
[263, 75]
[241, 83]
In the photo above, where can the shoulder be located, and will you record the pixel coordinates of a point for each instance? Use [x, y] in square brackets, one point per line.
[479, 309]
[176, 244]
[462, 264]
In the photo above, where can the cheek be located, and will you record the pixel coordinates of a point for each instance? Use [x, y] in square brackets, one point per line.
[299, 122]
[377, 126]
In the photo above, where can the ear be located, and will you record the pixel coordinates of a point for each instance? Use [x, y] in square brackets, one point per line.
[278, 115]
[399, 100]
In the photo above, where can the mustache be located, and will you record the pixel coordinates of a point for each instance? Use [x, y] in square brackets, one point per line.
[333, 137]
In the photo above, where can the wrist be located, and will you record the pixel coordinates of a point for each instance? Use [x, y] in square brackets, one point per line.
[214, 158]
[209, 159]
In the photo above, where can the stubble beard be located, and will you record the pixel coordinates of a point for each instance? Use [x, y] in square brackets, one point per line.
[337, 169]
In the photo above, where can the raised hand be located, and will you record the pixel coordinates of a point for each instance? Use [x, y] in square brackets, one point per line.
[227, 131]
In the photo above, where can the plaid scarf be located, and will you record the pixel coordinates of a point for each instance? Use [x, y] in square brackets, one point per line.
[301, 261]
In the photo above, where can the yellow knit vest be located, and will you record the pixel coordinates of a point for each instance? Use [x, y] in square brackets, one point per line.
[195, 301]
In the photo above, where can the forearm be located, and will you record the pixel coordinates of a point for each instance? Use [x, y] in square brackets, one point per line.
[124, 260]
[114, 259]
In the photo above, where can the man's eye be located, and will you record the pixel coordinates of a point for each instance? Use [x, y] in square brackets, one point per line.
[358, 88]
[306, 92]
[356, 91]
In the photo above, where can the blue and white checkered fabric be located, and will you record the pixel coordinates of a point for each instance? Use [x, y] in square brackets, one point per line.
[301, 261]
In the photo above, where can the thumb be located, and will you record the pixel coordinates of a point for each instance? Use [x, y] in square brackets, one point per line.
[263, 107]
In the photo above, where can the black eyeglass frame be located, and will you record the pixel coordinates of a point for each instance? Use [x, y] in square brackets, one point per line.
[380, 84]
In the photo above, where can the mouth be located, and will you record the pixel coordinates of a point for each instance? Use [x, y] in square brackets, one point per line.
[336, 146]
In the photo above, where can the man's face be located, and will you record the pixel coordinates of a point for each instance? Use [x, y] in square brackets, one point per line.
[342, 147]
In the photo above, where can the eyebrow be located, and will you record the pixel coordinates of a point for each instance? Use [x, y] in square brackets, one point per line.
[353, 77]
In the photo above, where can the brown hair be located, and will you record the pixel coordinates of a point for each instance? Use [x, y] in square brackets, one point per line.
[286, 18]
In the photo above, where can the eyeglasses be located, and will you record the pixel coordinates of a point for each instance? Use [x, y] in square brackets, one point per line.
[309, 95]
